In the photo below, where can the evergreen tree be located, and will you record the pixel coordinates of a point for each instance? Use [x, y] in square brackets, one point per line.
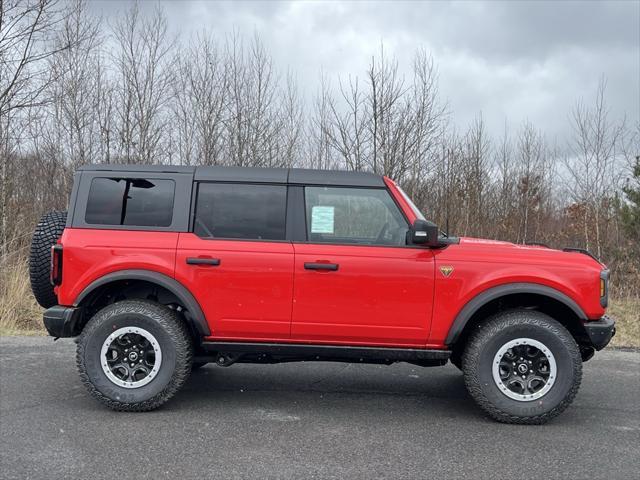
[630, 211]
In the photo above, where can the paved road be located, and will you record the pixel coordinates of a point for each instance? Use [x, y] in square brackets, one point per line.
[317, 420]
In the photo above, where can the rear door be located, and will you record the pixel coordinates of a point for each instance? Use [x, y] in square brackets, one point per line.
[356, 280]
[237, 262]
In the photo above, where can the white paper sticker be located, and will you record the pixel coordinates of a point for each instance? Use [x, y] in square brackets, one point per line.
[322, 219]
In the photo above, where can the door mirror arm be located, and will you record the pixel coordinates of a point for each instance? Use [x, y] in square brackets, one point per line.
[426, 233]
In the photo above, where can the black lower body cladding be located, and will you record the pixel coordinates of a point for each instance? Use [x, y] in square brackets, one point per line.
[601, 331]
[62, 321]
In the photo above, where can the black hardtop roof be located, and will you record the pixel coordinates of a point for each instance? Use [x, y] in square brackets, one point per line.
[296, 176]
[121, 167]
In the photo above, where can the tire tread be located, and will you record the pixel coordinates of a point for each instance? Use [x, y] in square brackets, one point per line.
[168, 320]
[47, 233]
[492, 327]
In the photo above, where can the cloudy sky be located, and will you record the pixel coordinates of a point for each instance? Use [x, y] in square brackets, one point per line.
[511, 60]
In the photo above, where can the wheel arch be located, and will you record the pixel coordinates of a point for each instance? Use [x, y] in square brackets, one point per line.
[532, 296]
[115, 281]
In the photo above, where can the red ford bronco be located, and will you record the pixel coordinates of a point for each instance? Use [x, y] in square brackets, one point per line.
[158, 270]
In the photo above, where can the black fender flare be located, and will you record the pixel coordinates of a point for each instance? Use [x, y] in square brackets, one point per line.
[180, 291]
[490, 294]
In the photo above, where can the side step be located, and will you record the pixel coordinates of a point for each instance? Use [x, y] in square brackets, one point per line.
[227, 353]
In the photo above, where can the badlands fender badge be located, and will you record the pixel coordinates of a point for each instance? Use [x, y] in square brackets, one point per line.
[446, 270]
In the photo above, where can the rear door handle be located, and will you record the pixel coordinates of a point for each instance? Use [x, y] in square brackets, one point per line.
[203, 261]
[321, 266]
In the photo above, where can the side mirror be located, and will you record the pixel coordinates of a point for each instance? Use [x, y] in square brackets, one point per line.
[424, 233]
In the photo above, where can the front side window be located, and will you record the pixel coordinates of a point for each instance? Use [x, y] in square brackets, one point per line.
[364, 216]
[130, 201]
[242, 211]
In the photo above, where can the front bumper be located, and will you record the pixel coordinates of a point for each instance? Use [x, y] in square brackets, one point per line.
[600, 331]
[62, 321]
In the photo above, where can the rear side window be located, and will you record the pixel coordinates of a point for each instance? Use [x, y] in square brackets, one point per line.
[130, 201]
[242, 211]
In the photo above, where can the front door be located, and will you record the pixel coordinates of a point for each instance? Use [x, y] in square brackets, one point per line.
[356, 281]
[237, 262]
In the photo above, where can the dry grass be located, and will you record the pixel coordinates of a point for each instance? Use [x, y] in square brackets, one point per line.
[626, 313]
[21, 315]
[19, 312]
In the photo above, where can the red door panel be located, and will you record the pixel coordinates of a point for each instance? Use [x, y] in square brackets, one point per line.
[248, 294]
[377, 295]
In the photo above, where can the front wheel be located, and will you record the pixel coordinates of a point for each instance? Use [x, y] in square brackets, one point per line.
[134, 355]
[523, 367]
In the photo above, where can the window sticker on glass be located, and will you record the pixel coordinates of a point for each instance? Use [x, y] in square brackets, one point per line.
[322, 219]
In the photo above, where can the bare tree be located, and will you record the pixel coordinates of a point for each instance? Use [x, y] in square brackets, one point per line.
[424, 143]
[26, 32]
[389, 125]
[349, 126]
[145, 68]
[504, 172]
[200, 105]
[530, 178]
[27, 28]
[390, 119]
[474, 168]
[104, 110]
[591, 164]
[292, 123]
[319, 149]
[253, 124]
[75, 94]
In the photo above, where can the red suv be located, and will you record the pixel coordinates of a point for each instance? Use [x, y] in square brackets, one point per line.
[159, 270]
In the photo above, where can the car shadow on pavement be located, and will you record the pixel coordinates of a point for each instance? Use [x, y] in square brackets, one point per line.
[304, 386]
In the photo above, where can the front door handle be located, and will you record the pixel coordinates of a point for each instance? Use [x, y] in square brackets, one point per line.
[214, 262]
[321, 266]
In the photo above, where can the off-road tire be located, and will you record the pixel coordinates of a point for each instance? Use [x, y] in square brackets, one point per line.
[47, 233]
[173, 338]
[486, 341]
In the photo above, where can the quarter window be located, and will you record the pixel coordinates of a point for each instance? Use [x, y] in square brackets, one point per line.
[353, 215]
[130, 201]
[242, 211]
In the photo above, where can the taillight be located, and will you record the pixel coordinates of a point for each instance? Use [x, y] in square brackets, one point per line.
[56, 264]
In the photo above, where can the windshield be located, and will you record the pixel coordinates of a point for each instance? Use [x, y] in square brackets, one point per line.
[415, 209]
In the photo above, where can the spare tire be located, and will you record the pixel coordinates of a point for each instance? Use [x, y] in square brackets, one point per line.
[46, 235]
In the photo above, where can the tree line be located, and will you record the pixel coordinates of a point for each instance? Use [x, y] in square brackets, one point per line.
[75, 89]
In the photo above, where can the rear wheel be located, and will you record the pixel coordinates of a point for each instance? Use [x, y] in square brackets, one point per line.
[134, 355]
[522, 367]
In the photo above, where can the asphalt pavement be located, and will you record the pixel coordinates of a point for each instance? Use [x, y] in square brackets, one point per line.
[307, 420]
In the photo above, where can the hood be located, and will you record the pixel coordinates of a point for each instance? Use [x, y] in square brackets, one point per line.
[483, 242]
[501, 251]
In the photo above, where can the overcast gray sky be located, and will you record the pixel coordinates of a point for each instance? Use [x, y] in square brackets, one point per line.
[510, 60]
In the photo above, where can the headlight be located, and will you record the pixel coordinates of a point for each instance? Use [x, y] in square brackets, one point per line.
[604, 288]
